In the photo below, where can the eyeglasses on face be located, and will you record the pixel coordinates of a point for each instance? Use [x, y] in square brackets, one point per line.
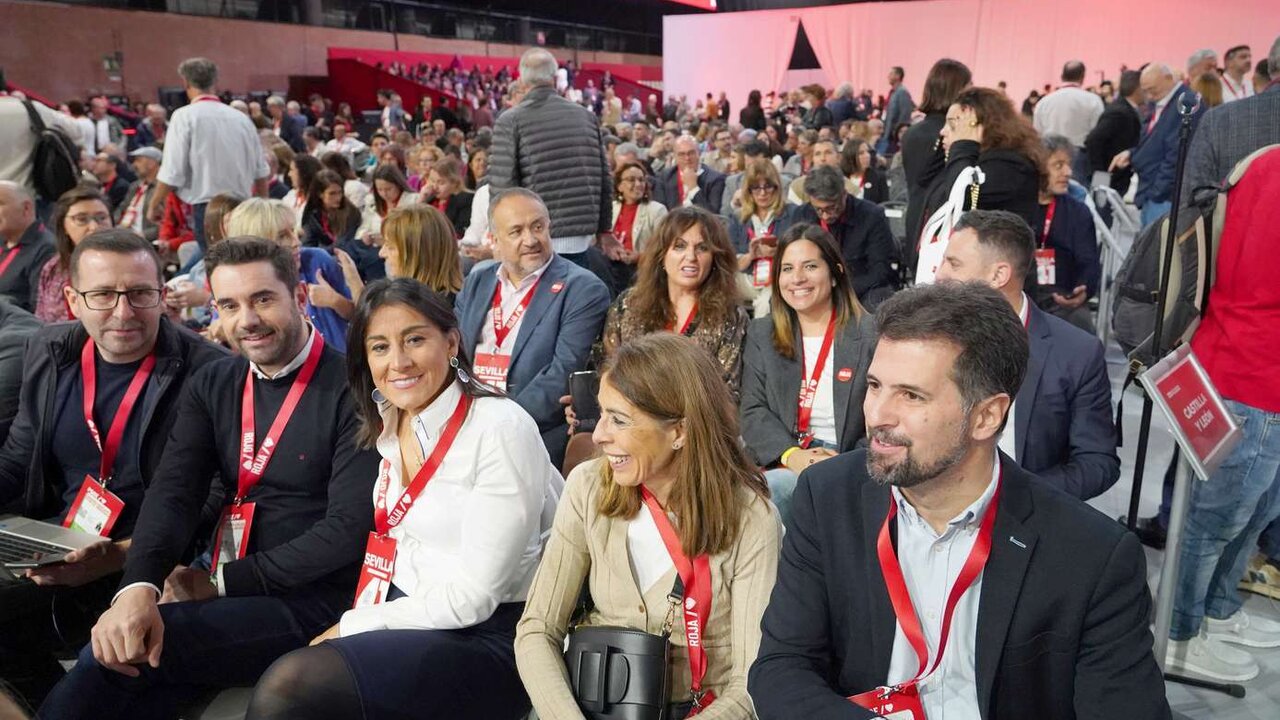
[139, 298]
[83, 220]
[763, 188]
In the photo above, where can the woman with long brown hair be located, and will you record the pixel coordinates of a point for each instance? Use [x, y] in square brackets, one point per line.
[78, 212]
[922, 155]
[687, 283]
[635, 217]
[675, 496]
[390, 191]
[804, 368]
[445, 188]
[982, 129]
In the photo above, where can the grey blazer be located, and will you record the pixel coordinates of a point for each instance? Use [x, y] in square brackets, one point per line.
[771, 386]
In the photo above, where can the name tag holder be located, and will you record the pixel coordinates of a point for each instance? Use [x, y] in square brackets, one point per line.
[95, 510]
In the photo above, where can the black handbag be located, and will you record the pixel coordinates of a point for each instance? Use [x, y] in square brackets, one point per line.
[620, 673]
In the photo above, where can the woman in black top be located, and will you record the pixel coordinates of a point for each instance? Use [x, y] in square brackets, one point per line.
[444, 190]
[865, 180]
[983, 129]
[922, 154]
[752, 116]
[328, 219]
[818, 115]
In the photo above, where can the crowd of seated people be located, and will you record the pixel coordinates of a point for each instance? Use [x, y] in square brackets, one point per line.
[333, 447]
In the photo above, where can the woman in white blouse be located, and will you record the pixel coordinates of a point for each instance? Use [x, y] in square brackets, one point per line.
[433, 628]
[817, 337]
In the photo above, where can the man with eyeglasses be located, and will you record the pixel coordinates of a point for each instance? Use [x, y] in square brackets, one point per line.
[25, 245]
[690, 182]
[861, 231]
[123, 356]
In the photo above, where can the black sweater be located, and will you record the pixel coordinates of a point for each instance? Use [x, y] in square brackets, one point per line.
[313, 504]
[1012, 181]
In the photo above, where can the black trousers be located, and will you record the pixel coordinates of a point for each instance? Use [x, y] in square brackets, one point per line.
[37, 624]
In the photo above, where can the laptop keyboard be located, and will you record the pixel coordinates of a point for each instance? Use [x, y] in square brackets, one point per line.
[19, 549]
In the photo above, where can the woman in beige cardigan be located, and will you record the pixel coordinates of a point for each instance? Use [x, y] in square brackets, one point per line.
[679, 451]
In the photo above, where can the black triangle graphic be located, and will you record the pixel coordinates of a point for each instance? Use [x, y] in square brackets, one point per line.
[802, 55]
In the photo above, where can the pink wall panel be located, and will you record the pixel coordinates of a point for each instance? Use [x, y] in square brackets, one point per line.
[1023, 42]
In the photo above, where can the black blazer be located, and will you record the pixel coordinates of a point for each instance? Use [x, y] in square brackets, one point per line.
[866, 243]
[666, 189]
[922, 161]
[1118, 129]
[1012, 181]
[771, 387]
[458, 210]
[1063, 430]
[1062, 621]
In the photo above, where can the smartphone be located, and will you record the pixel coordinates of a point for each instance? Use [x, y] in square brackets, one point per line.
[584, 386]
[770, 240]
[37, 560]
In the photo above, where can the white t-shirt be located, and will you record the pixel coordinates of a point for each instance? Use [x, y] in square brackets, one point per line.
[823, 421]
[650, 560]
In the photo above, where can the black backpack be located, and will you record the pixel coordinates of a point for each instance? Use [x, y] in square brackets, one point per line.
[54, 162]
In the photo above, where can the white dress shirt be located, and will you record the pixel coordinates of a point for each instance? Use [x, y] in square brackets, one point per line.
[1068, 111]
[512, 294]
[478, 230]
[473, 538]
[211, 148]
[1232, 90]
[822, 423]
[1008, 444]
[930, 565]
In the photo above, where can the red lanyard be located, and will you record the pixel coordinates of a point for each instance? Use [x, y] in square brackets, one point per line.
[751, 233]
[809, 388]
[10, 255]
[324, 225]
[696, 577]
[680, 183]
[1048, 220]
[131, 213]
[252, 465]
[1235, 92]
[502, 329]
[206, 98]
[115, 434]
[688, 321]
[382, 521]
[901, 597]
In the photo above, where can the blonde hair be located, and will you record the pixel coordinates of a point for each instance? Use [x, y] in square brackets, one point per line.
[424, 239]
[712, 465]
[759, 170]
[260, 217]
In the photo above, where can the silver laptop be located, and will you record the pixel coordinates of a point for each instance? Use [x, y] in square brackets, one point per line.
[26, 543]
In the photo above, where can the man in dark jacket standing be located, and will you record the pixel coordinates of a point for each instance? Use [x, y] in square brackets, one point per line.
[556, 149]
[1117, 130]
[50, 452]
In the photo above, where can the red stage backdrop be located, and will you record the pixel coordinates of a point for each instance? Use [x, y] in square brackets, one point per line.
[1023, 42]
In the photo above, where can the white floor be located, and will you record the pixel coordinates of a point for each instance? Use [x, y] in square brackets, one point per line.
[1262, 699]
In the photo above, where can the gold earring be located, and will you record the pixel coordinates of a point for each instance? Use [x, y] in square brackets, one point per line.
[973, 123]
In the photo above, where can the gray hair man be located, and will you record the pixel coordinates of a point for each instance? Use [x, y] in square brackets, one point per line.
[860, 230]
[25, 244]
[555, 148]
[223, 156]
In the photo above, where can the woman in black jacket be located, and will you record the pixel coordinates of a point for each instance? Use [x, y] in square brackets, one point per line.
[818, 115]
[983, 129]
[445, 191]
[752, 116]
[922, 154]
[864, 180]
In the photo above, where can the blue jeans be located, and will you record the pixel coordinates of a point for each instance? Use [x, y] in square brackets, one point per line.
[208, 645]
[782, 485]
[1153, 211]
[1224, 520]
[197, 217]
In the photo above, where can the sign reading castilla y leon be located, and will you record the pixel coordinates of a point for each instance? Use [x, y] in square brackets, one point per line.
[1199, 419]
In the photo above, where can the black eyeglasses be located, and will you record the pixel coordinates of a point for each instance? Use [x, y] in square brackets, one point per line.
[139, 298]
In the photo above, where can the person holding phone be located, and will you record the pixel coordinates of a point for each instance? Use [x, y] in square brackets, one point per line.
[804, 368]
[674, 496]
[754, 231]
[635, 217]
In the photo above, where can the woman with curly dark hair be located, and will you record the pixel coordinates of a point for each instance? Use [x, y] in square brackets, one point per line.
[687, 283]
[982, 128]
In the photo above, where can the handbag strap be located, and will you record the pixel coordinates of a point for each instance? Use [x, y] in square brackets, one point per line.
[586, 604]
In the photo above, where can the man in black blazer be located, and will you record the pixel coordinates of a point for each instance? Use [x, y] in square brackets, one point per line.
[1055, 625]
[1118, 129]
[1060, 426]
[861, 231]
[288, 127]
[689, 181]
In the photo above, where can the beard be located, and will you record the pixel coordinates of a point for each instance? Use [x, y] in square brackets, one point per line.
[910, 471]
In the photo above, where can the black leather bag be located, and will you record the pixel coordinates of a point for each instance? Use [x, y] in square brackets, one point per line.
[620, 673]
